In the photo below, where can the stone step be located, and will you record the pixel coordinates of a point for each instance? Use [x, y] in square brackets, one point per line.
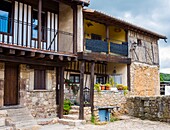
[31, 127]
[6, 128]
[46, 121]
[75, 107]
[72, 111]
[2, 121]
[21, 118]
[3, 113]
[72, 117]
[71, 122]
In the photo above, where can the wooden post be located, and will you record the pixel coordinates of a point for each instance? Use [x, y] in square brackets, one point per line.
[57, 83]
[61, 101]
[107, 38]
[128, 77]
[74, 29]
[39, 22]
[81, 109]
[92, 87]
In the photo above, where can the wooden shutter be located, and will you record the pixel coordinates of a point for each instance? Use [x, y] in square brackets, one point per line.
[39, 79]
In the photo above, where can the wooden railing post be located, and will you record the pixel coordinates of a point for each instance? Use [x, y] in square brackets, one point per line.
[81, 109]
[39, 22]
[107, 38]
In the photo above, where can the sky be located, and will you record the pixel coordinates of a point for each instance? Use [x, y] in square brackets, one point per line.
[153, 15]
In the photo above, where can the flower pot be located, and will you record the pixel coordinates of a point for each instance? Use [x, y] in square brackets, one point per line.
[107, 87]
[102, 87]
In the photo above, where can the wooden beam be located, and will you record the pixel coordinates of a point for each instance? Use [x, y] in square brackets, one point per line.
[128, 77]
[75, 29]
[92, 88]
[39, 55]
[20, 53]
[50, 57]
[10, 52]
[25, 60]
[30, 54]
[61, 102]
[57, 88]
[1, 50]
[60, 58]
[39, 22]
[68, 58]
[81, 109]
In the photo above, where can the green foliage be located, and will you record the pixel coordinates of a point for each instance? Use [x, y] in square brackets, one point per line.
[164, 77]
[67, 106]
[111, 81]
[93, 119]
[97, 87]
[108, 85]
[113, 119]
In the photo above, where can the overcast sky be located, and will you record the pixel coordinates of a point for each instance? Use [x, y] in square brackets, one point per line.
[150, 14]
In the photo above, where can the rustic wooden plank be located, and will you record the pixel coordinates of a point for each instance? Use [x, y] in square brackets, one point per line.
[39, 55]
[75, 29]
[27, 27]
[92, 88]
[25, 60]
[81, 109]
[39, 22]
[23, 13]
[61, 58]
[128, 77]
[18, 30]
[30, 54]
[61, 102]
[20, 53]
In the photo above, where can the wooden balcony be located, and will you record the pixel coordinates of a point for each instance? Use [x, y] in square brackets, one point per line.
[107, 47]
[25, 35]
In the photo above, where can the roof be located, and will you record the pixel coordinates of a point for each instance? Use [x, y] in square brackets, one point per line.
[104, 18]
[85, 2]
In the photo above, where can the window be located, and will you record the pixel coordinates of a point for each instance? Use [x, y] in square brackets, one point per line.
[117, 78]
[96, 37]
[35, 25]
[5, 16]
[39, 79]
[100, 79]
[139, 42]
[75, 78]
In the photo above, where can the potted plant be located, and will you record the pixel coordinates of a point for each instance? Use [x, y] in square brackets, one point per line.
[97, 87]
[119, 86]
[107, 86]
[102, 87]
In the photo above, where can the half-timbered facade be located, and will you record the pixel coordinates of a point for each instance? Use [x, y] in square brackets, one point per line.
[38, 39]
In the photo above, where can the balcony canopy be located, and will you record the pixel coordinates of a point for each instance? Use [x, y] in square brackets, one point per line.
[103, 18]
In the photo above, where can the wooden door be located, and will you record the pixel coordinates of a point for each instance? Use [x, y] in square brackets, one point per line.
[11, 84]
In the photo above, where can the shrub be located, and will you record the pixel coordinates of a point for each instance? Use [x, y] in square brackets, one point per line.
[67, 106]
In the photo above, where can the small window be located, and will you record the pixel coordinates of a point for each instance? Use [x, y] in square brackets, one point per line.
[74, 78]
[96, 37]
[35, 25]
[5, 16]
[100, 79]
[39, 79]
[117, 78]
[139, 42]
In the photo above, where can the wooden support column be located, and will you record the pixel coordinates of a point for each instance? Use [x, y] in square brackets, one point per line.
[128, 77]
[61, 92]
[74, 29]
[81, 109]
[39, 22]
[92, 88]
[107, 38]
[57, 83]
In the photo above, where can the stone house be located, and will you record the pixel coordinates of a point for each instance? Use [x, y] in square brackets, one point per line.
[42, 43]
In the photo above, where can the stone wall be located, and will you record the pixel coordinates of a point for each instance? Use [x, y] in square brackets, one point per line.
[2, 67]
[41, 103]
[107, 99]
[144, 79]
[152, 108]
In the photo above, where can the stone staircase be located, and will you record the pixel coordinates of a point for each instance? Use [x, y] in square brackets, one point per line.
[3, 116]
[72, 118]
[20, 118]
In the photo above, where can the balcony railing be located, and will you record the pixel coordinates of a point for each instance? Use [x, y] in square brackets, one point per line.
[23, 34]
[102, 46]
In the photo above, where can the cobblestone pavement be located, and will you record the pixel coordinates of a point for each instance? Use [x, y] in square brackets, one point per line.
[128, 124]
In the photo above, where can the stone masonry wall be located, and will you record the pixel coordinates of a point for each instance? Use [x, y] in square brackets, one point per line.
[144, 79]
[152, 108]
[41, 103]
[1, 83]
[107, 99]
